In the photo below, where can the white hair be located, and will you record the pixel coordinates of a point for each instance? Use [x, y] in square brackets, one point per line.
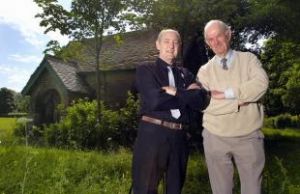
[223, 26]
[168, 30]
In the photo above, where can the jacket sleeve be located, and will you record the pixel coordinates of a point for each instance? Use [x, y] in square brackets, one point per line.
[195, 99]
[149, 87]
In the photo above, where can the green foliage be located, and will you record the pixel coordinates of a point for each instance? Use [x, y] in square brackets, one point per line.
[281, 61]
[53, 47]
[197, 180]
[279, 135]
[280, 182]
[7, 103]
[272, 18]
[189, 17]
[282, 162]
[86, 19]
[73, 51]
[12, 102]
[128, 122]
[291, 92]
[79, 128]
[27, 133]
[282, 121]
[22, 103]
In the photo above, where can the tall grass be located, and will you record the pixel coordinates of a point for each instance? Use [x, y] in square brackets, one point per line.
[52, 171]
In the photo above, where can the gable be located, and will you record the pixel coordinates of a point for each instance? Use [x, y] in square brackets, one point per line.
[63, 73]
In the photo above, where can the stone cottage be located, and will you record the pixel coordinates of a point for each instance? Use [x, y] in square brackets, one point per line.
[56, 81]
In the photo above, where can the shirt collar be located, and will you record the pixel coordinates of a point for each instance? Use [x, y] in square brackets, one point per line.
[228, 56]
[163, 64]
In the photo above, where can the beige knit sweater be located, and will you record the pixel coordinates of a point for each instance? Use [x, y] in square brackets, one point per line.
[249, 82]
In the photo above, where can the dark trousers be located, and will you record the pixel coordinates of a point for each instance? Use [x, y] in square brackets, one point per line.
[159, 150]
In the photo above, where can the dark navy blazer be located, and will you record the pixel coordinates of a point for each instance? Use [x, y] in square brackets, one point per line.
[151, 77]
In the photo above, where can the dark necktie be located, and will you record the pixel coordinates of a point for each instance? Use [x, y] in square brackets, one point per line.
[224, 63]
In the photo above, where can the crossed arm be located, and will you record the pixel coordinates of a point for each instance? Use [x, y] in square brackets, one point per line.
[249, 91]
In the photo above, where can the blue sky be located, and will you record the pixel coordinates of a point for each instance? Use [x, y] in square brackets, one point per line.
[22, 42]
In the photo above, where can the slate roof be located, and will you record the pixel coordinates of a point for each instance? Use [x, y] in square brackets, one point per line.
[135, 47]
[67, 72]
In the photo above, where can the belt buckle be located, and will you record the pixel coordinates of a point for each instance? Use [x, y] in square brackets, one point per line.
[177, 126]
[180, 126]
[172, 125]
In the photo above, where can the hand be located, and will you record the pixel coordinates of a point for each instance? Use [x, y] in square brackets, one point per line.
[170, 90]
[217, 94]
[194, 86]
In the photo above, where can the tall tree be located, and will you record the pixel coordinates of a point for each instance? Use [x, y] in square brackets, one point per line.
[291, 94]
[270, 18]
[86, 19]
[22, 103]
[7, 104]
[281, 61]
[189, 17]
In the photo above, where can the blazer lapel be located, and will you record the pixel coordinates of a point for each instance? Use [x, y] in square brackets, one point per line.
[179, 78]
[161, 75]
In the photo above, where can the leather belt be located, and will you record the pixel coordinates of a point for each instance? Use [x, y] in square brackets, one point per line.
[170, 125]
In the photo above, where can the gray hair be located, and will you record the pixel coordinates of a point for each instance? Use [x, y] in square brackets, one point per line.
[168, 30]
[223, 26]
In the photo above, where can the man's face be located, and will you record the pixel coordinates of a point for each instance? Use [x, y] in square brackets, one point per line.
[168, 46]
[218, 40]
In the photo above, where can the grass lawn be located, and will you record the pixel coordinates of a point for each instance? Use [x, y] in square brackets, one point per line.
[6, 129]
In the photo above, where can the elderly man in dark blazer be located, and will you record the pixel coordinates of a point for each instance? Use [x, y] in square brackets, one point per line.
[167, 93]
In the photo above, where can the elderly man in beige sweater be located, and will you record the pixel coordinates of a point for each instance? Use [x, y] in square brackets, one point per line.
[232, 122]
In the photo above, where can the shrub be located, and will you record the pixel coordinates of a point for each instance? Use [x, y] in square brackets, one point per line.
[128, 122]
[282, 121]
[79, 128]
[27, 132]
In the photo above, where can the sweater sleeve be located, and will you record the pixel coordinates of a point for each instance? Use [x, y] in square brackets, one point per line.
[256, 85]
[202, 77]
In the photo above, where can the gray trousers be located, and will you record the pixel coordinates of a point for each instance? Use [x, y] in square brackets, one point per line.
[247, 152]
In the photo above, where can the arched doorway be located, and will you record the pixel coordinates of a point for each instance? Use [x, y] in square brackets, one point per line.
[46, 106]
